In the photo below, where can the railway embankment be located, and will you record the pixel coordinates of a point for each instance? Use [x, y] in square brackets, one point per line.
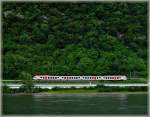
[73, 89]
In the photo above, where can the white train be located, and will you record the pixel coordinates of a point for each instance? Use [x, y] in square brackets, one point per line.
[64, 78]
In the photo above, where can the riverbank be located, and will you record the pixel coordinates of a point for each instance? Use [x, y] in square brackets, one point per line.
[74, 93]
[95, 89]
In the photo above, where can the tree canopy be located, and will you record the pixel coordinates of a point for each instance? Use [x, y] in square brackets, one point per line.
[57, 38]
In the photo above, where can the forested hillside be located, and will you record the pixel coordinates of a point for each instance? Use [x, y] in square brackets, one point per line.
[92, 38]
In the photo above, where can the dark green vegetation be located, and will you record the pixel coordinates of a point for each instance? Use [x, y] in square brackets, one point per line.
[22, 89]
[28, 85]
[74, 38]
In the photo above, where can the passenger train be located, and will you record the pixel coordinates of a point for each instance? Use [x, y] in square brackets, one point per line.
[64, 78]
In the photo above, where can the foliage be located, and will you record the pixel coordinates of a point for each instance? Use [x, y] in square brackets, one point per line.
[120, 89]
[93, 38]
[6, 89]
[27, 82]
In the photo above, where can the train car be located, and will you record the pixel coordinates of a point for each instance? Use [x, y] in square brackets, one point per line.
[64, 78]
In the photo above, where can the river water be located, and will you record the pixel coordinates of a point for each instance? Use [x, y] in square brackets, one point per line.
[75, 104]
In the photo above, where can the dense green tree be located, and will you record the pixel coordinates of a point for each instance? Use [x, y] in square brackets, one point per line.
[27, 82]
[93, 38]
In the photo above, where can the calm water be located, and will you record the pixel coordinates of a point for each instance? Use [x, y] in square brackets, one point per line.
[75, 104]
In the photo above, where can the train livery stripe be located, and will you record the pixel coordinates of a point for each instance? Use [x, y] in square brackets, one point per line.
[48, 77]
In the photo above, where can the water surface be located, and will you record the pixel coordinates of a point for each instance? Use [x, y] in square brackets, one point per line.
[75, 104]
